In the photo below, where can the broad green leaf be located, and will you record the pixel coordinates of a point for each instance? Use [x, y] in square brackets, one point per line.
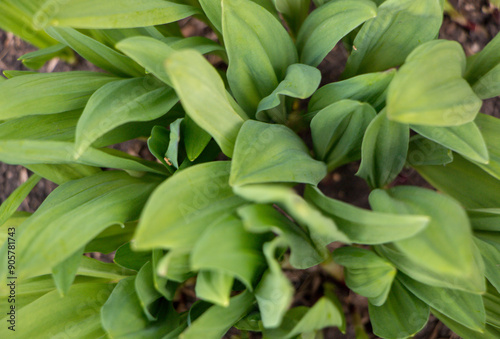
[217, 320]
[201, 44]
[95, 268]
[138, 99]
[77, 313]
[240, 255]
[422, 151]
[122, 315]
[326, 25]
[16, 219]
[260, 218]
[300, 82]
[491, 258]
[386, 40]
[274, 293]
[402, 315]
[370, 88]
[485, 219]
[383, 151]
[195, 138]
[183, 206]
[172, 152]
[433, 74]
[492, 305]
[113, 13]
[175, 265]
[36, 59]
[271, 153]
[29, 152]
[64, 273]
[364, 226]
[294, 12]
[158, 143]
[465, 139]
[16, 198]
[62, 173]
[111, 238]
[126, 257]
[338, 129]
[259, 51]
[46, 93]
[325, 313]
[204, 97]
[148, 52]
[146, 291]
[14, 17]
[464, 181]
[76, 212]
[490, 127]
[490, 332]
[214, 287]
[97, 53]
[443, 254]
[366, 273]
[321, 229]
[166, 287]
[483, 70]
[465, 308]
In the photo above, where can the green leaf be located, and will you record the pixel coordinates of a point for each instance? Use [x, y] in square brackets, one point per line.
[491, 258]
[158, 143]
[264, 218]
[321, 229]
[464, 181]
[16, 198]
[294, 12]
[465, 139]
[214, 287]
[274, 293]
[383, 151]
[172, 152]
[485, 219]
[325, 313]
[97, 53]
[270, 153]
[122, 315]
[402, 315]
[489, 127]
[338, 129]
[370, 88]
[36, 59]
[366, 273]
[326, 25]
[148, 52]
[386, 40]
[175, 265]
[465, 308]
[64, 315]
[60, 174]
[95, 268]
[422, 151]
[195, 138]
[259, 64]
[138, 99]
[76, 212]
[443, 254]
[166, 287]
[180, 209]
[364, 226]
[433, 73]
[240, 255]
[490, 332]
[46, 93]
[111, 238]
[483, 70]
[126, 257]
[146, 291]
[217, 320]
[113, 13]
[492, 304]
[300, 82]
[204, 97]
[28, 152]
[64, 273]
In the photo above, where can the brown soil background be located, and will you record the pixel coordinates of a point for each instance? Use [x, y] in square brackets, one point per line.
[479, 24]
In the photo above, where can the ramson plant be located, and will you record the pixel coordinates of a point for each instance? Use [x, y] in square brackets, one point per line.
[406, 99]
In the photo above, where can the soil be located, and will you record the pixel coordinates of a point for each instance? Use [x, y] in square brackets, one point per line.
[477, 23]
